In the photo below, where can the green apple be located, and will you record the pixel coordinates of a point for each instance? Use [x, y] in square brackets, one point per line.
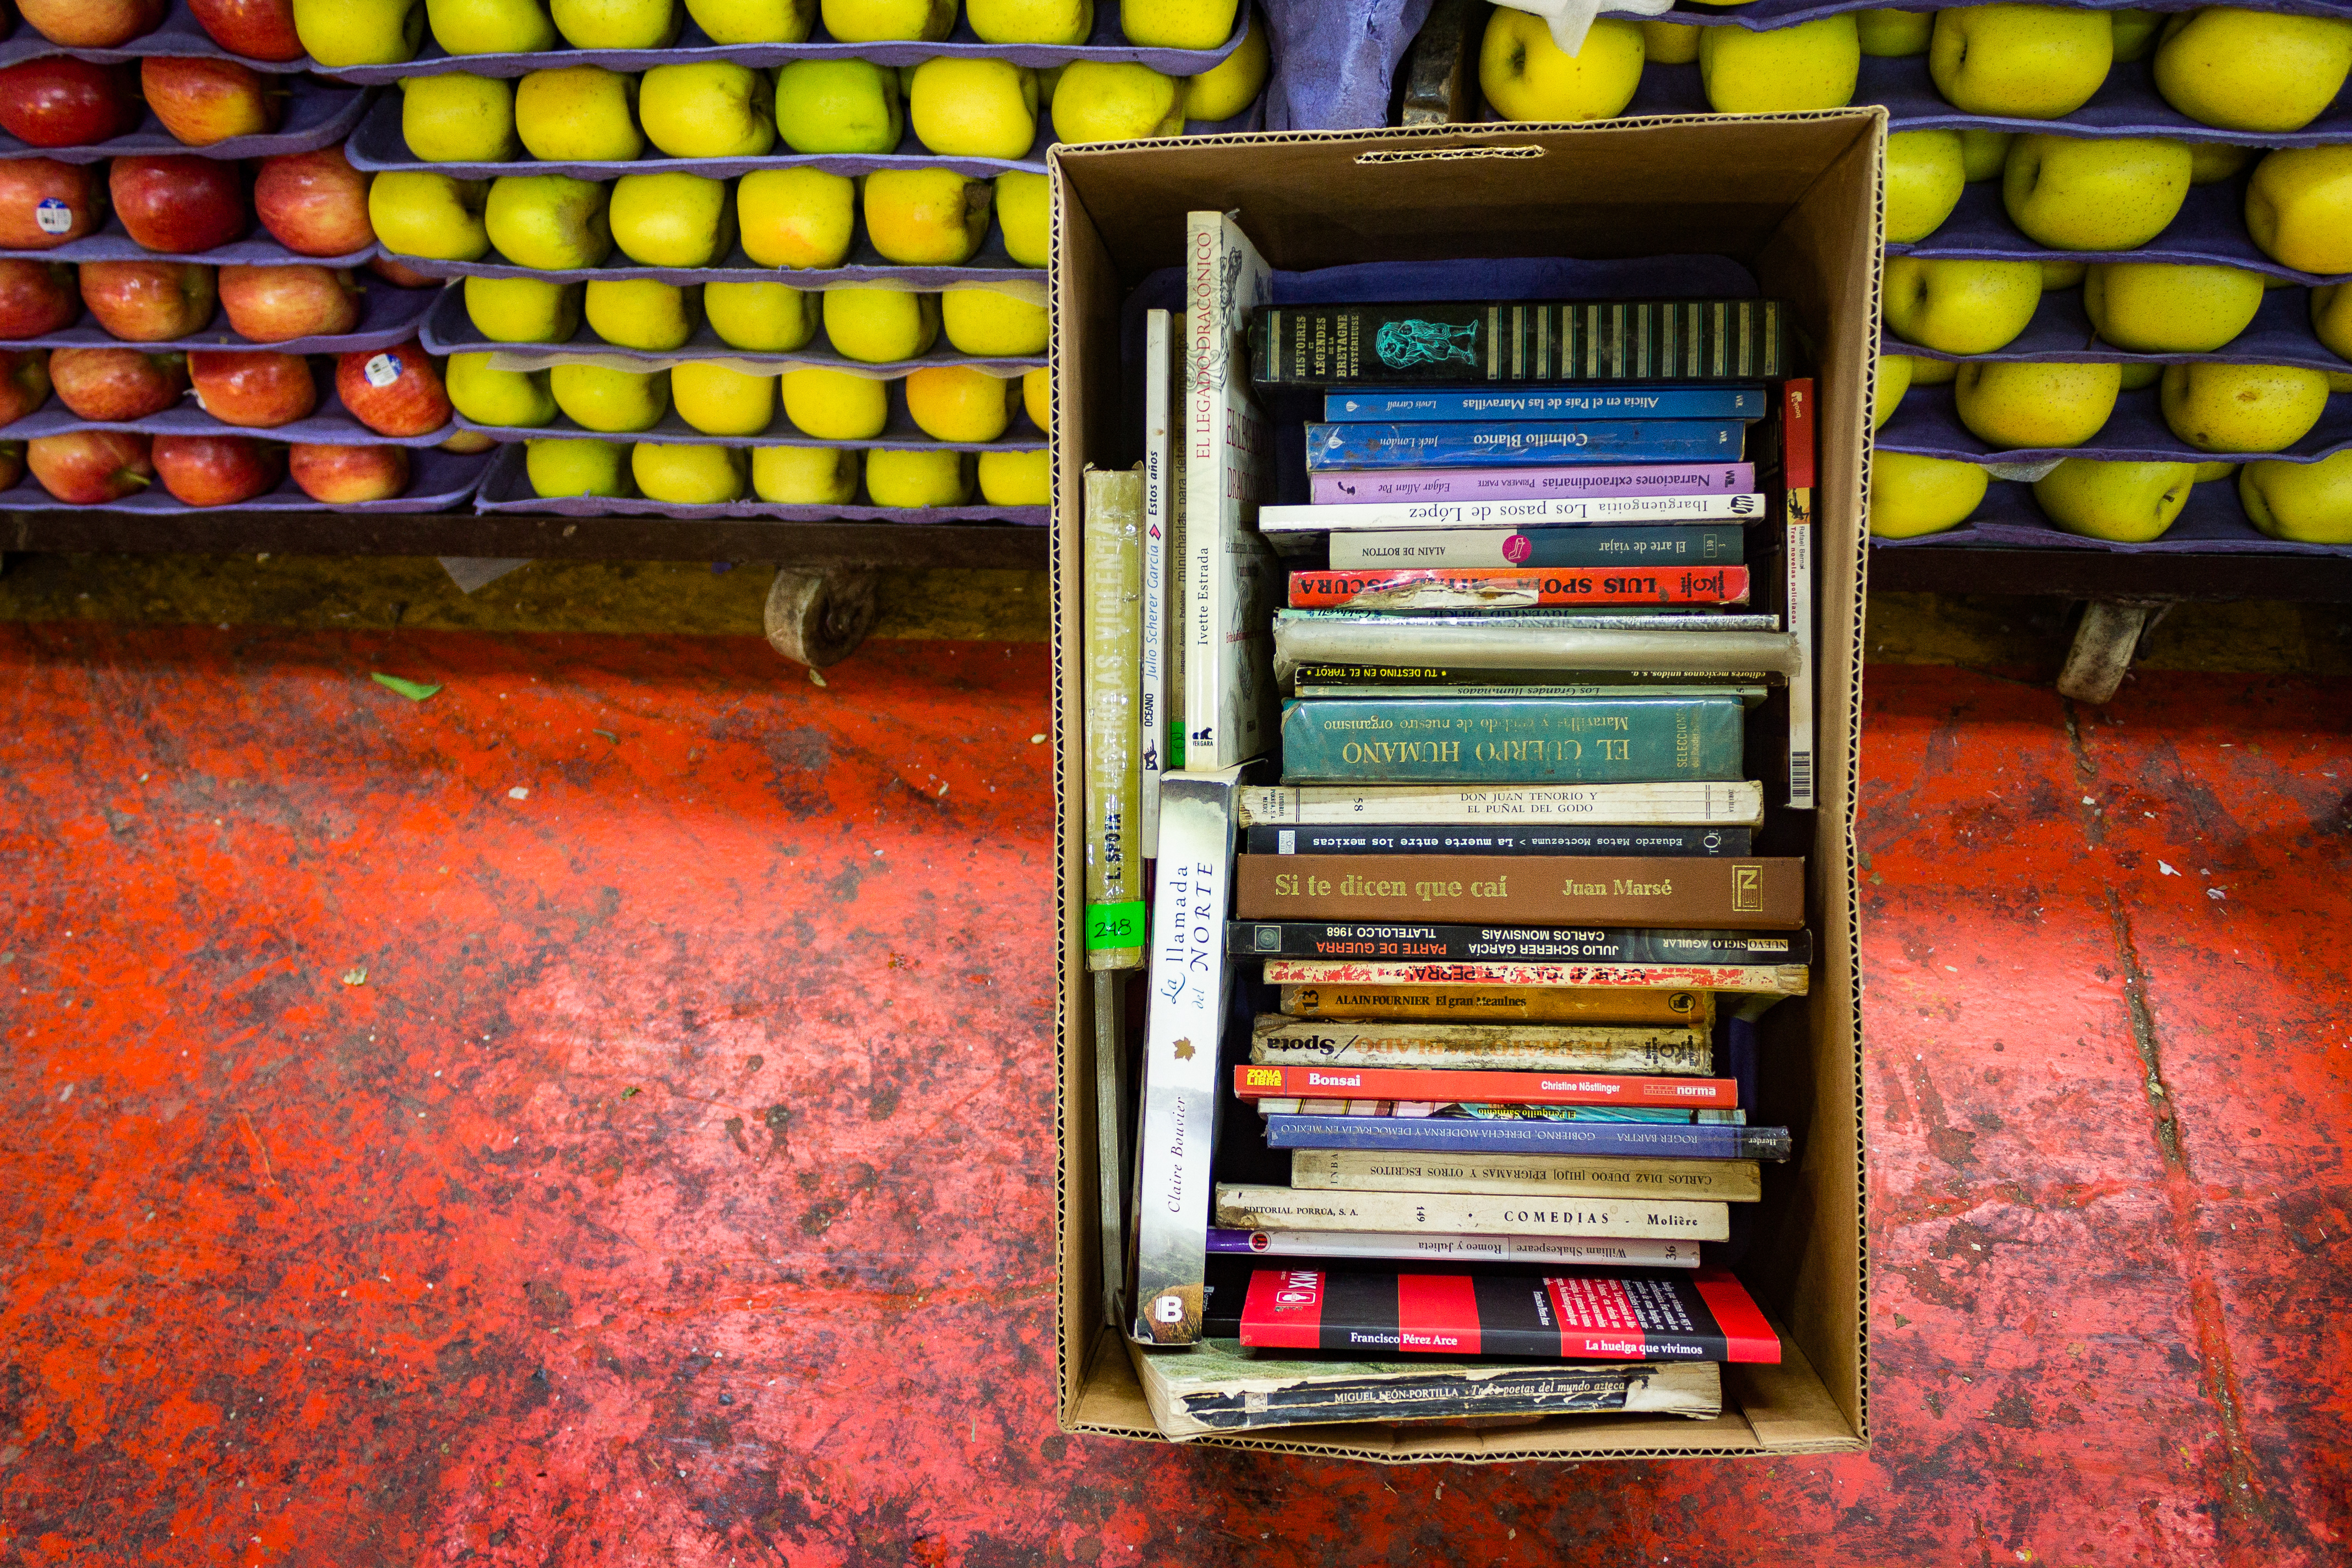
[518, 398]
[902, 477]
[988, 324]
[549, 222]
[881, 326]
[1809, 66]
[2058, 274]
[2209, 472]
[2221, 407]
[2210, 162]
[2141, 375]
[2017, 405]
[754, 21]
[1925, 177]
[672, 220]
[2074, 193]
[1024, 215]
[796, 218]
[2331, 318]
[926, 217]
[1526, 76]
[2032, 62]
[1232, 84]
[1096, 100]
[719, 400]
[1017, 479]
[1037, 397]
[1890, 35]
[2252, 70]
[1031, 21]
[1911, 495]
[760, 318]
[558, 469]
[973, 109]
[712, 109]
[688, 475]
[881, 21]
[614, 402]
[1984, 153]
[430, 215]
[834, 405]
[1669, 43]
[1894, 379]
[805, 476]
[336, 33]
[1178, 24]
[458, 118]
[523, 310]
[2299, 207]
[1927, 371]
[2154, 307]
[491, 26]
[839, 106]
[1960, 306]
[961, 403]
[579, 114]
[2134, 32]
[2129, 503]
[2311, 503]
[618, 23]
[641, 314]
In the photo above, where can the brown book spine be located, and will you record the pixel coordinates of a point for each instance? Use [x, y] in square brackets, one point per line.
[1498, 1004]
[1685, 894]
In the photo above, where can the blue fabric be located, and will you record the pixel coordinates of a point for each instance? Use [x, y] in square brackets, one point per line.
[1334, 60]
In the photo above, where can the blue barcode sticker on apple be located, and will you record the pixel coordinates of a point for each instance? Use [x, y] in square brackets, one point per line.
[53, 216]
[383, 370]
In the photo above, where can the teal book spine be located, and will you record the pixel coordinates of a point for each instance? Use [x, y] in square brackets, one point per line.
[1632, 740]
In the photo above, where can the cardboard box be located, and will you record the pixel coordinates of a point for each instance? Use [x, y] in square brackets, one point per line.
[1797, 198]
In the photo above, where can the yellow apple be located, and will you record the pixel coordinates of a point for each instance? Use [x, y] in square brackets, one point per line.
[2299, 207]
[611, 402]
[2243, 407]
[559, 468]
[1960, 306]
[618, 23]
[1809, 66]
[720, 401]
[1911, 495]
[1893, 381]
[641, 313]
[712, 109]
[2207, 472]
[2338, 381]
[1037, 397]
[688, 475]
[549, 222]
[1984, 153]
[2331, 318]
[1889, 35]
[900, 478]
[956, 402]
[1927, 371]
[1925, 177]
[1178, 24]
[1232, 84]
[1023, 214]
[882, 21]
[1017, 479]
[491, 26]
[672, 220]
[2057, 275]
[2017, 406]
[337, 33]
[2141, 375]
[760, 318]
[1669, 43]
[2311, 503]
[988, 324]
[505, 397]
[579, 114]
[2113, 194]
[805, 476]
[754, 21]
[1031, 21]
[2154, 307]
[839, 106]
[2032, 62]
[2129, 503]
[974, 108]
[429, 216]
[2252, 70]
[926, 217]
[522, 310]
[458, 118]
[801, 218]
[2210, 162]
[2134, 32]
[1100, 100]
[881, 326]
[834, 405]
[1526, 76]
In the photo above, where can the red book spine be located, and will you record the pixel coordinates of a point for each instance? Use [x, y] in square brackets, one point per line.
[1472, 1087]
[1516, 588]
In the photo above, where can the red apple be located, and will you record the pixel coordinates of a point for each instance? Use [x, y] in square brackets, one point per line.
[393, 391]
[12, 464]
[150, 302]
[258, 29]
[401, 275]
[93, 23]
[24, 383]
[314, 204]
[218, 470]
[339, 475]
[201, 100]
[117, 385]
[36, 297]
[179, 203]
[467, 442]
[45, 203]
[87, 467]
[274, 304]
[253, 387]
[60, 102]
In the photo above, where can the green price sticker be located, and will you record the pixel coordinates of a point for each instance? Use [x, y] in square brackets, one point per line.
[1114, 925]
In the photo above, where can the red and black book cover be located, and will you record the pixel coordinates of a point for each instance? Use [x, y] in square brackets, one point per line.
[1633, 1317]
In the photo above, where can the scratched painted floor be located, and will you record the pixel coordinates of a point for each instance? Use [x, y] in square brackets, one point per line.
[597, 1116]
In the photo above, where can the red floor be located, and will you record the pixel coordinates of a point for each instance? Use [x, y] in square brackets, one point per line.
[653, 1168]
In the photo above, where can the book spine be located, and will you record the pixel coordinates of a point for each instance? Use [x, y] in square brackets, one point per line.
[1555, 402]
[1281, 1208]
[1471, 1135]
[1114, 641]
[1175, 614]
[1151, 710]
[1395, 840]
[1448, 1085]
[1716, 950]
[1525, 1175]
[1586, 512]
[1753, 980]
[1496, 1003]
[1750, 693]
[1441, 343]
[1415, 588]
[1762, 892]
[1498, 548]
[1418, 485]
[1697, 647]
[1797, 436]
[1588, 1252]
[1279, 1040]
[1537, 741]
[1359, 447]
[1727, 805]
[1285, 1106]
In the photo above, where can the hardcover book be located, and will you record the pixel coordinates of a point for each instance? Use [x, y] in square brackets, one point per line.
[1518, 740]
[1442, 446]
[1113, 641]
[1766, 892]
[1357, 942]
[1727, 805]
[1441, 343]
[1582, 480]
[1492, 548]
[1413, 589]
[1349, 1170]
[1281, 1208]
[1508, 839]
[1513, 1136]
[1584, 1252]
[1163, 485]
[1485, 403]
[1280, 1039]
[1797, 476]
[1254, 1081]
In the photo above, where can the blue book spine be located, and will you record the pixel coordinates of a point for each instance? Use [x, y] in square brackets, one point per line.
[1331, 447]
[1488, 740]
[1553, 403]
[1468, 1135]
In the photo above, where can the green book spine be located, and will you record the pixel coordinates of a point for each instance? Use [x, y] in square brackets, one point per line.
[1630, 740]
[1113, 694]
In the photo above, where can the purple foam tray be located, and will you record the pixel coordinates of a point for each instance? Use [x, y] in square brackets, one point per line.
[901, 431]
[448, 330]
[2214, 522]
[2280, 333]
[389, 316]
[256, 249]
[865, 266]
[693, 46]
[437, 481]
[319, 114]
[2210, 230]
[1762, 16]
[1929, 423]
[328, 425]
[507, 488]
[180, 36]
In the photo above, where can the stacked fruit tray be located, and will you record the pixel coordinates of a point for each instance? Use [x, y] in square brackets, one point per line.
[194, 311]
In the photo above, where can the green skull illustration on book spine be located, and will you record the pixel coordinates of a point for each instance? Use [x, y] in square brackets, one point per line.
[1411, 343]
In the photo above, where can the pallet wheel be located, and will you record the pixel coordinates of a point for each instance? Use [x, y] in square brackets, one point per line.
[819, 617]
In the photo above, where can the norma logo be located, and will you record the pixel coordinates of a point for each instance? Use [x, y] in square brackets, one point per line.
[1262, 1078]
[1517, 548]
[1747, 888]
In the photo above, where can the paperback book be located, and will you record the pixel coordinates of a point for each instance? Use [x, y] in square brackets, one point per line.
[1413, 589]
[1587, 1252]
[1578, 481]
[1527, 740]
[1392, 839]
[1482, 402]
[1439, 343]
[1253, 1081]
[1281, 1039]
[1449, 446]
[1347, 1170]
[1730, 804]
[1699, 893]
[1495, 548]
[1528, 1135]
[1716, 950]
[1243, 1207]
